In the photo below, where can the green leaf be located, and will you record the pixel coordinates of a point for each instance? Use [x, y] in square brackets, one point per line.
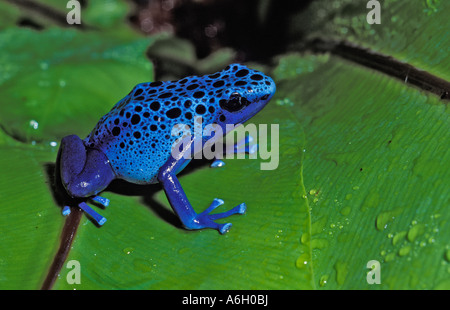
[105, 15]
[8, 15]
[176, 57]
[375, 175]
[49, 77]
[376, 165]
[30, 221]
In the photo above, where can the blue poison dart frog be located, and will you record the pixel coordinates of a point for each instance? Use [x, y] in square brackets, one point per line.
[133, 141]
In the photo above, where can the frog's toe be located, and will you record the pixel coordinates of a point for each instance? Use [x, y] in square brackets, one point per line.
[101, 200]
[240, 209]
[66, 211]
[207, 220]
[252, 149]
[224, 228]
[217, 163]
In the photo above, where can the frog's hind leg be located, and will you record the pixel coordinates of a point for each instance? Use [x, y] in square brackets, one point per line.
[180, 203]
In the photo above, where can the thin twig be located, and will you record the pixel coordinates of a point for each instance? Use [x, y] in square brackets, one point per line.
[386, 64]
[68, 234]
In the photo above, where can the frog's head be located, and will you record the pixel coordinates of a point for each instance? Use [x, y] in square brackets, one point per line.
[84, 171]
[244, 93]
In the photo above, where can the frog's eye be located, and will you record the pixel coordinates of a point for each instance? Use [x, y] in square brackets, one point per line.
[235, 103]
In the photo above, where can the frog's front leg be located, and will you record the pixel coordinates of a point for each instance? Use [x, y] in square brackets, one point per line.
[180, 203]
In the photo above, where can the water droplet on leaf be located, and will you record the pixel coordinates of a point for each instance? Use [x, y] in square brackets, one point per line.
[323, 280]
[128, 250]
[302, 261]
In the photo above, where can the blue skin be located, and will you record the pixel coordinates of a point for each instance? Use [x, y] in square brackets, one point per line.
[133, 141]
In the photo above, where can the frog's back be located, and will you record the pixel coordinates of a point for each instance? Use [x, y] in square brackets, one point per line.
[136, 134]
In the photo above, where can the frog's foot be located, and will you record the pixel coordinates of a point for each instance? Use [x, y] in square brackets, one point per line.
[206, 220]
[245, 145]
[99, 219]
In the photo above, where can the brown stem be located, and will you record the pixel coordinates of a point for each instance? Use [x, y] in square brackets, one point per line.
[68, 234]
[388, 65]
